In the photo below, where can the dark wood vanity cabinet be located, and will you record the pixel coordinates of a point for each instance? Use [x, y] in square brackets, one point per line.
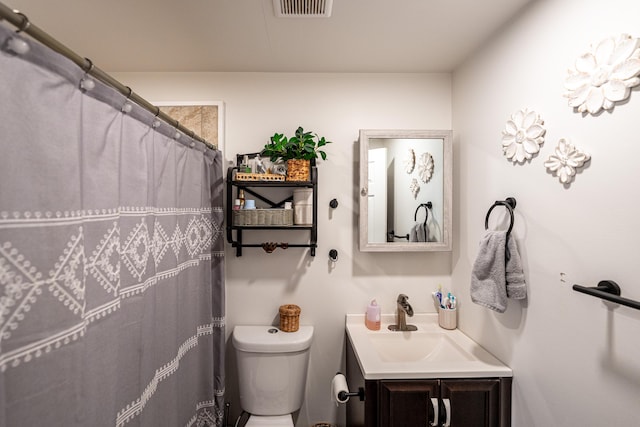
[461, 402]
[464, 402]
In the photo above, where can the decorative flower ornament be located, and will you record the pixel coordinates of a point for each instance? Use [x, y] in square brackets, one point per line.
[425, 167]
[566, 160]
[414, 187]
[523, 135]
[410, 161]
[604, 75]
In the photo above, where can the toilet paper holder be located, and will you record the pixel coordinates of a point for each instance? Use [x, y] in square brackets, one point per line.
[344, 394]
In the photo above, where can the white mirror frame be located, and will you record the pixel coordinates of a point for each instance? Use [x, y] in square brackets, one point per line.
[445, 244]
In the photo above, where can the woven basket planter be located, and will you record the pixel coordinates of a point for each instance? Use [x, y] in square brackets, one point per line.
[298, 169]
[289, 318]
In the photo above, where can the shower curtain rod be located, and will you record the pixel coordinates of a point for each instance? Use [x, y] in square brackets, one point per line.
[22, 23]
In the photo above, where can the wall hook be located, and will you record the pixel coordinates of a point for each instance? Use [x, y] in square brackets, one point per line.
[333, 255]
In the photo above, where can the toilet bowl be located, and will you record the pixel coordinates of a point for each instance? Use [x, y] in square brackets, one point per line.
[272, 372]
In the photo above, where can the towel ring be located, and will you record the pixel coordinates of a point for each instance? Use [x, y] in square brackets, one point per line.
[510, 204]
[426, 207]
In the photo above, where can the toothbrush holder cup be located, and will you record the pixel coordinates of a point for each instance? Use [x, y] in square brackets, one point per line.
[447, 318]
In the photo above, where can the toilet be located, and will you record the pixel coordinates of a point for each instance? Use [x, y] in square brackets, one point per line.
[272, 372]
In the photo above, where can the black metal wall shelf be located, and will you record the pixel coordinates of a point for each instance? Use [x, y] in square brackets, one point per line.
[256, 189]
[608, 290]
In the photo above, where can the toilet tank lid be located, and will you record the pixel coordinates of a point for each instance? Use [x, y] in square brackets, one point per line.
[262, 339]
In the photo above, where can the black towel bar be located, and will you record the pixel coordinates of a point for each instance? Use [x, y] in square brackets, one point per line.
[391, 234]
[609, 290]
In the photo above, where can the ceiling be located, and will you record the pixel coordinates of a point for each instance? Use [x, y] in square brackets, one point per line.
[245, 36]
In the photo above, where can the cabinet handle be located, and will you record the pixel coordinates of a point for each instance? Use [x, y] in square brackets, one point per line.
[447, 411]
[434, 405]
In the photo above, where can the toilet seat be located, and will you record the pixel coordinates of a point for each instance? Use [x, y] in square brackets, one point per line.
[271, 421]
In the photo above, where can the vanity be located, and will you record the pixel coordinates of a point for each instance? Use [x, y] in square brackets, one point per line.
[428, 377]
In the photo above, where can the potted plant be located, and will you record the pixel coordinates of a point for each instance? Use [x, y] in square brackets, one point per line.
[297, 151]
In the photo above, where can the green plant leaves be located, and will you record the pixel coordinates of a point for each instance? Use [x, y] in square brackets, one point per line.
[304, 145]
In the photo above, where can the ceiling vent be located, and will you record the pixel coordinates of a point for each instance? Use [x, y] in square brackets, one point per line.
[302, 8]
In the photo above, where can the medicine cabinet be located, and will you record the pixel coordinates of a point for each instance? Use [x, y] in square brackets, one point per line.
[405, 190]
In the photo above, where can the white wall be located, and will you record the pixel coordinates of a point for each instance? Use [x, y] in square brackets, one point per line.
[576, 360]
[335, 106]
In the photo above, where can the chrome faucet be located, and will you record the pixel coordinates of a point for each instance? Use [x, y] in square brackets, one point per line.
[403, 309]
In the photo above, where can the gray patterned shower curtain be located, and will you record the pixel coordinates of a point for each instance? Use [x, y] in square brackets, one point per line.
[111, 256]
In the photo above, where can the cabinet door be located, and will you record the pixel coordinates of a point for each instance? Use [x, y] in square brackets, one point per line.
[474, 403]
[406, 403]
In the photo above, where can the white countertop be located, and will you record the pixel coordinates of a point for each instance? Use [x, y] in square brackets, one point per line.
[454, 355]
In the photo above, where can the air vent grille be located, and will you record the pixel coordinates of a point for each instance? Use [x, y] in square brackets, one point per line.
[302, 8]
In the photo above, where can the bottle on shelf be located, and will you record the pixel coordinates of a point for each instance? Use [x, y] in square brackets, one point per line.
[241, 197]
[244, 166]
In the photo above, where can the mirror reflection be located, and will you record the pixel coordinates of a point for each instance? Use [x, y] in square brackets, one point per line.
[405, 190]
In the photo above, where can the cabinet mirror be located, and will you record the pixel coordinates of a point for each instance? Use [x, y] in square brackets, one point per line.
[405, 190]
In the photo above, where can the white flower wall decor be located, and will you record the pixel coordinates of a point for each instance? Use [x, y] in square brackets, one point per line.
[414, 187]
[523, 136]
[410, 161]
[604, 75]
[425, 167]
[566, 160]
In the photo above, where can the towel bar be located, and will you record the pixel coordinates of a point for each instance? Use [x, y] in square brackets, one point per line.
[426, 207]
[391, 234]
[510, 204]
[608, 290]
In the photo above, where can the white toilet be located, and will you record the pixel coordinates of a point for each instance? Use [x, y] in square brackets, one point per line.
[272, 371]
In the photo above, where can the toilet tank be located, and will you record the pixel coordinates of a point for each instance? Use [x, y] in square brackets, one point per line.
[272, 368]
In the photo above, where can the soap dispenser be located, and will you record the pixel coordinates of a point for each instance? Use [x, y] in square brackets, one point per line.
[372, 318]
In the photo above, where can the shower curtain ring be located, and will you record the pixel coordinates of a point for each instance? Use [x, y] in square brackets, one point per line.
[87, 83]
[177, 135]
[89, 66]
[127, 107]
[25, 22]
[156, 121]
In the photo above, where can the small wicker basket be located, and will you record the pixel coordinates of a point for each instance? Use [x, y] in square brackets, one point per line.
[298, 169]
[244, 176]
[289, 317]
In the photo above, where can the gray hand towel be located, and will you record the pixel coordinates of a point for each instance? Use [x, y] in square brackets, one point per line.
[413, 234]
[418, 233]
[423, 232]
[433, 230]
[488, 278]
[514, 274]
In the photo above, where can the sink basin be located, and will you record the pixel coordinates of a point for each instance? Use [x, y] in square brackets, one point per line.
[429, 352]
[414, 346]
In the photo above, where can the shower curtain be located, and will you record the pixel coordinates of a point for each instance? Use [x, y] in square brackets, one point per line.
[111, 256]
